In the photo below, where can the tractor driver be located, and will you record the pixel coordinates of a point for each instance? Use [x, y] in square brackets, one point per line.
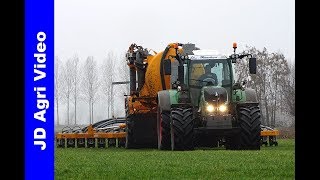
[208, 77]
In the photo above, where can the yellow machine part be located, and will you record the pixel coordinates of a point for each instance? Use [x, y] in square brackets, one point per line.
[91, 133]
[153, 78]
[141, 106]
[269, 133]
[147, 96]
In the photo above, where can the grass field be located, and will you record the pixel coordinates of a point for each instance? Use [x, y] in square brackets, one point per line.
[118, 163]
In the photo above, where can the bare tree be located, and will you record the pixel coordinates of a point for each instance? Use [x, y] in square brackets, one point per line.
[289, 91]
[107, 69]
[272, 70]
[124, 75]
[90, 84]
[67, 85]
[75, 77]
[278, 73]
[57, 86]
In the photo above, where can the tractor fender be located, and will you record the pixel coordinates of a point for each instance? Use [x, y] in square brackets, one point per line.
[166, 98]
[251, 95]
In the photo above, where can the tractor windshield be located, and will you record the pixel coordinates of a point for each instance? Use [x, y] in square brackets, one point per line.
[209, 72]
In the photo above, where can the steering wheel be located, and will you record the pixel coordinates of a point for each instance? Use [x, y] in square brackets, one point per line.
[209, 80]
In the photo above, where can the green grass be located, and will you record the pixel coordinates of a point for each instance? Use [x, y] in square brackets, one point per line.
[118, 163]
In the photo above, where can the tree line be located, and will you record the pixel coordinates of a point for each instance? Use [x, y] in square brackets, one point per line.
[86, 82]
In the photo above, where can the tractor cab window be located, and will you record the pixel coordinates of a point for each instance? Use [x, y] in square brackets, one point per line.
[209, 72]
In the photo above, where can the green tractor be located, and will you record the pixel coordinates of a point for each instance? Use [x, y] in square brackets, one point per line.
[206, 107]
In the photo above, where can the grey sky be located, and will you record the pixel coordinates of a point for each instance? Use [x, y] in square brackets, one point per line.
[93, 27]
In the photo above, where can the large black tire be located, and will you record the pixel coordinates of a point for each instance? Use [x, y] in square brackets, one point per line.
[249, 137]
[164, 136]
[129, 134]
[182, 133]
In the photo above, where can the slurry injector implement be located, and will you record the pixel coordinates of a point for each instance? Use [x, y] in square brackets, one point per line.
[105, 133]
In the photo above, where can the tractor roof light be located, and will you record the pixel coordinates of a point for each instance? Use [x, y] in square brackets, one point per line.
[234, 45]
[234, 56]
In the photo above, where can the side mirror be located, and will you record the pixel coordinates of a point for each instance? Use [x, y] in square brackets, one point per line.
[253, 65]
[167, 66]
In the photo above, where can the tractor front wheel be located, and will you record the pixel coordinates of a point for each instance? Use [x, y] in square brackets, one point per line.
[182, 133]
[249, 137]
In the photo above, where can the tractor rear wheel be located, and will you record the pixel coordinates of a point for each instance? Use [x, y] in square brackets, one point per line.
[249, 122]
[182, 133]
[164, 136]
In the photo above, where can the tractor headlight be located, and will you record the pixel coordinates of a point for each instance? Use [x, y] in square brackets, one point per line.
[223, 108]
[210, 108]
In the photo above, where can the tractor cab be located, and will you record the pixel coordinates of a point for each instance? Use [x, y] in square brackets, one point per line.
[209, 80]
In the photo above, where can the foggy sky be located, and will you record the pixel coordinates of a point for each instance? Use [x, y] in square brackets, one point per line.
[92, 28]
